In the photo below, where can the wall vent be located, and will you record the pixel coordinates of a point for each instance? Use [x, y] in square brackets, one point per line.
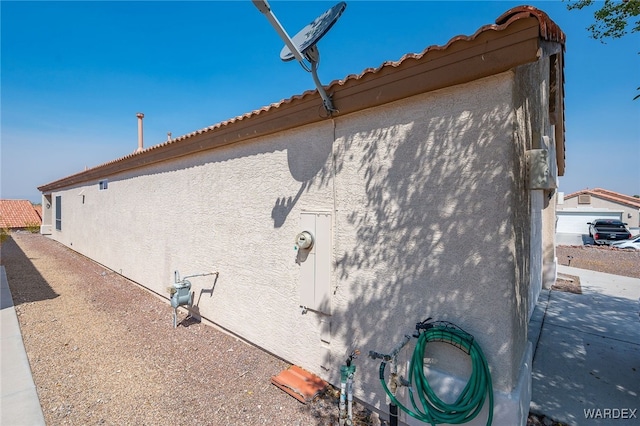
[584, 199]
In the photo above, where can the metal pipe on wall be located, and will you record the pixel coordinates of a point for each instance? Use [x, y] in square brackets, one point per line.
[140, 138]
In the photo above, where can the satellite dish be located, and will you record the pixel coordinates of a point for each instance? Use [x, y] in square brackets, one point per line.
[303, 45]
[312, 33]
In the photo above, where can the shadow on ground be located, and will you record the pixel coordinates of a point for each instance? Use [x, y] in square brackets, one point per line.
[589, 359]
[25, 282]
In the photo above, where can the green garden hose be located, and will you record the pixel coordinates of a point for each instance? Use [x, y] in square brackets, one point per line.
[470, 401]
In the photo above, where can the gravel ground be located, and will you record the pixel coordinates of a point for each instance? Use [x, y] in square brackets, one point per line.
[103, 350]
[602, 259]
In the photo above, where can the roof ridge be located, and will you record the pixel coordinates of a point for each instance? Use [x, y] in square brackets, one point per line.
[607, 194]
[549, 30]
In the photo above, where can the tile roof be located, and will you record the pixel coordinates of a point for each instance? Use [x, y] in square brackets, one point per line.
[38, 209]
[549, 31]
[358, 91]
[18, 214]
[608, 195]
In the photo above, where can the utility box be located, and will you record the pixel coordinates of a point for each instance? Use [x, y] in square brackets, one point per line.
[540, 172]
[315, 262]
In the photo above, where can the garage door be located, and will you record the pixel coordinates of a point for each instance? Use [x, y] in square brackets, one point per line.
[575, 222]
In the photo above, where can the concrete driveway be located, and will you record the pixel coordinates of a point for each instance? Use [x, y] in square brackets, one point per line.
[586, 366]
[573, 239]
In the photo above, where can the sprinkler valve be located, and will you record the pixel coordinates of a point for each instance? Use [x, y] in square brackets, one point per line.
[347, 372]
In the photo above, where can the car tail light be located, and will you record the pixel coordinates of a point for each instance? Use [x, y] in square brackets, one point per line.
[596, 236]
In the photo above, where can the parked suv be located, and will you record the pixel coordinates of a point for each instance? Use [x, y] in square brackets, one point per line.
[604, 231]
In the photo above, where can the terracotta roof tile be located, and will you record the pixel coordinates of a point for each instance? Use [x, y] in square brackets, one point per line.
[299, 383]
[607, 195]
[549, 31]
[18, 214]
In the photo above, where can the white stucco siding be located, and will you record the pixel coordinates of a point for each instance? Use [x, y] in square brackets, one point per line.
[424, 224]
[421, 195]
[234, 210]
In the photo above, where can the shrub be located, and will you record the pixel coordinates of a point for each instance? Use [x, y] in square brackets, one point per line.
[34, 228]
[4, 234]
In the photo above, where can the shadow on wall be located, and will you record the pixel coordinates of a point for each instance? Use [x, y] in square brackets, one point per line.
[307, 161]
[194, 310]
[25, 282]
[434, 234]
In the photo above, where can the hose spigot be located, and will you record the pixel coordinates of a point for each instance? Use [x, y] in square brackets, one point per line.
[354, 354]
[423, 325]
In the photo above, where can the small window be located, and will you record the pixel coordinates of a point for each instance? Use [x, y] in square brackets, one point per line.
[59, 213]
[584, 199]
[104, 184]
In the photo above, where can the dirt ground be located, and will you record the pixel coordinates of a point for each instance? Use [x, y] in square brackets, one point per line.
[602, 259]
[102, 350]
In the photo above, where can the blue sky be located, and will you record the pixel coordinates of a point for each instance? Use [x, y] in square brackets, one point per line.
[74, 75]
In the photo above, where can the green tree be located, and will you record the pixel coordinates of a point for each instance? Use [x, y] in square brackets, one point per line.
[612, 19]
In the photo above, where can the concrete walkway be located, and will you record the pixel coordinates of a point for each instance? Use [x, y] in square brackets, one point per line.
[19, 404]
[586, 366]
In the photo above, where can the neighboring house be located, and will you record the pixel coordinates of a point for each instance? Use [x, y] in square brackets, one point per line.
[18, 214]
[578, 208]
[417, 193]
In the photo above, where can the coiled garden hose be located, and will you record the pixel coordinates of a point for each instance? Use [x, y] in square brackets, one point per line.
[472, 398]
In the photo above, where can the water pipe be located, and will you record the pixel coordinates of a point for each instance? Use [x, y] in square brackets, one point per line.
[346, 390]
[394, 379]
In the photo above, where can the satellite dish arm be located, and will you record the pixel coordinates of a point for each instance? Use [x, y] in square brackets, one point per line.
[326, 99]
[263, 7]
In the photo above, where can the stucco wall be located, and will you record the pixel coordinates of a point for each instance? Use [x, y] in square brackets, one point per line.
[426, 221]
[536, 129]
[228, 210]
[430, 217]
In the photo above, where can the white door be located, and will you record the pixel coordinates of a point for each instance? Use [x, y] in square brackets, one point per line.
[575, 222]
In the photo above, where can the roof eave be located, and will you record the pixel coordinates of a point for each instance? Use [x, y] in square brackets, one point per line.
[491, 50]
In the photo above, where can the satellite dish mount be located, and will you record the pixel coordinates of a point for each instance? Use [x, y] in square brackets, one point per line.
[302, 46]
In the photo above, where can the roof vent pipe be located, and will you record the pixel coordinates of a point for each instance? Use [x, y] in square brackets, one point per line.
[140, 141]
[168, 136]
